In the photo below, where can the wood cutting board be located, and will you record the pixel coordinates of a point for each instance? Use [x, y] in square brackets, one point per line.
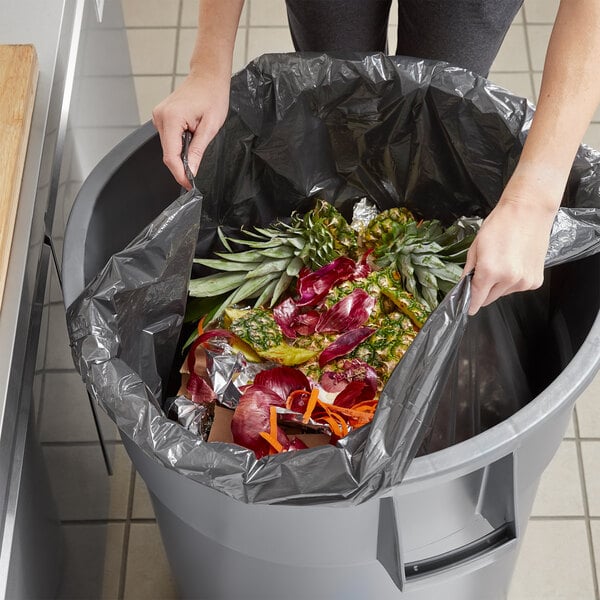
[18, 80]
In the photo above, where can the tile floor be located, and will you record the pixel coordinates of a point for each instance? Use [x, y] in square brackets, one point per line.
[113, 544]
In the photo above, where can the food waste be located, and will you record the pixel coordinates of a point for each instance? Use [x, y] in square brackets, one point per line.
[301, 323]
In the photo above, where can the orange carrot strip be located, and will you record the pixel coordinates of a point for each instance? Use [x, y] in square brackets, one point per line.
[272, 440]
[201, 325]
[312, 402]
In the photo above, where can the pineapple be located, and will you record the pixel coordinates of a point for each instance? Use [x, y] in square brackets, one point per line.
[274, 257]
[257, 328]
[384, 224]
[384, 349]
[427, 257]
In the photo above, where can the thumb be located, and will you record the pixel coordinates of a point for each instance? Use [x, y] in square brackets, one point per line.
[203, 135]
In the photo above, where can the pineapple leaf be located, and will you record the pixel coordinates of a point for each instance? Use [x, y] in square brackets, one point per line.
[225, 265]
[246, 256]
[281, 252]
[274, 267]
[223, 239]
[214, 285]
[294, 267]
[266, 294]
[281, 286]
[196, 308]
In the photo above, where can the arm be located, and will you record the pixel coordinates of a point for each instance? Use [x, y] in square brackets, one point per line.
[201, 102]
[508, 254]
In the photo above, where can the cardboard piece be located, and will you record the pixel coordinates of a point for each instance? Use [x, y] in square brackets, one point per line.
[221, 430]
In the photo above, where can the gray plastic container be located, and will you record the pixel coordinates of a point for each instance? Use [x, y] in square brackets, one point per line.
[451, 530]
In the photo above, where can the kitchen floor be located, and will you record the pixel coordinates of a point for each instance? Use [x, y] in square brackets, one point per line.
[113, 547]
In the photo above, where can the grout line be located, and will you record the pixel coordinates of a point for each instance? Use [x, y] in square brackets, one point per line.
[529, 59]
[177, 39]
[126, 535]
[586, 505]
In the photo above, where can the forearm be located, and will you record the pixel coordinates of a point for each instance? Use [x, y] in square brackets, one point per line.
[217, 27]
[569, 95]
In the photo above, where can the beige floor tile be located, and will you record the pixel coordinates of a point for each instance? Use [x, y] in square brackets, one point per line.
[142, 506]
[513, 52]
[554, 563]
[517, 83]
[150, 13]
[538, 36]
[570, 432]
[519, 17]
[187, 38]
[392, 39]
[393, 13]
[148, 572]
[267, 13]
[152, 51]
[559, 493]
[151, 90]
[596, 542]
[92, 563]
[592, 136]
[540, 11]
[588, 410]
[263, 40]
[591, 465]
[189, 13]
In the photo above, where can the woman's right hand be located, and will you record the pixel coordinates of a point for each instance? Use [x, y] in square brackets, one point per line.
[200, 105]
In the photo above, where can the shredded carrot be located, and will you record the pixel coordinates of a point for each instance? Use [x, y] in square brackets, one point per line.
[312, 402]
[271, 436]
[201, 325]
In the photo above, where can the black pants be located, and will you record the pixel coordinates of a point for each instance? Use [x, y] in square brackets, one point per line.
[466, 33]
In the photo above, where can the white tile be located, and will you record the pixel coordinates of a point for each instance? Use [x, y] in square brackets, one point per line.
[554, 563]
[559, 493]
[512, 55]
[148, 572]
[189, 13]
[592, 136]
[263, 40]
[152, 51]
[595, 525]
[591, 465]
[150, 91]
[58, 351]
[187, 38]
[519, 18]
[516, 83]
[538, 36]
[92, 564]
[540, 11]
[588, 410]
[268, 13]
[570, 432]
[67, 414]
[81, 487]
[150, 13]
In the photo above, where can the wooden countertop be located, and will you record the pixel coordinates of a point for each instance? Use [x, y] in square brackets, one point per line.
[18, 80]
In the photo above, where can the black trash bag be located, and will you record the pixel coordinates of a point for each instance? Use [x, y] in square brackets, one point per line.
[434, 138]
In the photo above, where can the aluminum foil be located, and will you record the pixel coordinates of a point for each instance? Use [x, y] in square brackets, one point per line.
[420, 134]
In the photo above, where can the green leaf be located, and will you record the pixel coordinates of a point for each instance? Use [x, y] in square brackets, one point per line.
[280, 287]
[214, 285]
[266, 294]
[224, 240]
[273, 266]
[249, 289]
[246, 256]
[226, 265]
[196, 308]
[281, 252]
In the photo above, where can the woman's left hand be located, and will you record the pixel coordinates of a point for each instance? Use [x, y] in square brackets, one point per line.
[508, 253]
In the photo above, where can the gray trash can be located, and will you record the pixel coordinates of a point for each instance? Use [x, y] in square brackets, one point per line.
[451, 530]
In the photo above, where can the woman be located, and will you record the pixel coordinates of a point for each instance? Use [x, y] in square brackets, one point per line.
[508, 254]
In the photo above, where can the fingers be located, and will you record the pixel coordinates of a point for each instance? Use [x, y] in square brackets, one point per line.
[170, 131]
[205, 132]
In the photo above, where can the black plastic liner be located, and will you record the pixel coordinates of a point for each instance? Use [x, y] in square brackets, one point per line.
[421, 134]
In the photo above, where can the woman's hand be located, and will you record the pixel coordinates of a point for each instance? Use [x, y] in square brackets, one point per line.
[200, 105]
[508, 253]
